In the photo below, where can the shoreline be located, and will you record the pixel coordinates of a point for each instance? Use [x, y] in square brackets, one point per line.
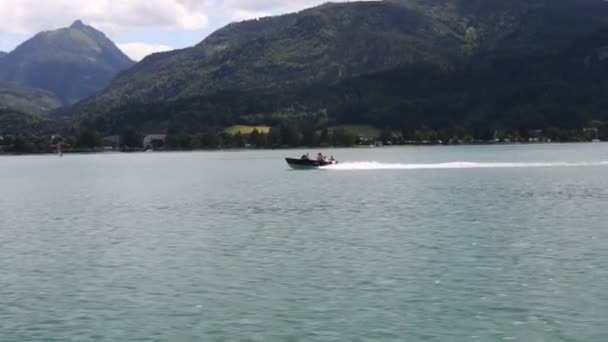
[251, 149]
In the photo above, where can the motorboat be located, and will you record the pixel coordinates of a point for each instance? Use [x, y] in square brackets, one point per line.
[304, 164]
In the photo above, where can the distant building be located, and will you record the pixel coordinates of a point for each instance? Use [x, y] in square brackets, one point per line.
[111, 142]
[592, 134]
[364, 140]
[590, 130]
[154, 141]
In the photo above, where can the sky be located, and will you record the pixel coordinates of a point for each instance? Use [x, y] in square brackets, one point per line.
[138, 27]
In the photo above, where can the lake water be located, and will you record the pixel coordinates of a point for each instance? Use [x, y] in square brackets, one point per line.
[485, 243]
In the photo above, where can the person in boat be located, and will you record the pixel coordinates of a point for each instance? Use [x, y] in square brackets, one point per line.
[305, 156]
[320, 157]
[332, 159]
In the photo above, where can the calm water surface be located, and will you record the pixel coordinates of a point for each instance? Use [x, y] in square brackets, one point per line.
[484, 243]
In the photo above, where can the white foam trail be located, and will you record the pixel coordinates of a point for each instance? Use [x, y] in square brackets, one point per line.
[455, 165]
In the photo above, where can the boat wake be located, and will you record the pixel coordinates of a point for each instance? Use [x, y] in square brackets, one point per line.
[363, 166]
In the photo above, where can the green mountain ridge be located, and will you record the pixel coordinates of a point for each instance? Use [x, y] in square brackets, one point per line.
[325, 43]
[564, 89]
[72, 63]
[397, 62]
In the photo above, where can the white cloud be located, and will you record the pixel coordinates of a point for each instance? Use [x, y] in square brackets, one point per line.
[137, 51]
[29, 16]
[240, 15]
[113, 16]
[275, 6]
[121, 18]
[238, 10]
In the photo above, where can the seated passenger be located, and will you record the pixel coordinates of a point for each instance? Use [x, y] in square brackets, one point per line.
[305, 156]
[320, 157]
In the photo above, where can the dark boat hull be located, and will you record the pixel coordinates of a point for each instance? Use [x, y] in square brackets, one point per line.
[304, 164]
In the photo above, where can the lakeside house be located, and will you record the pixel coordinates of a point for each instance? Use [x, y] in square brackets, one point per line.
[365, 140]
[111, 143]
[154, 141]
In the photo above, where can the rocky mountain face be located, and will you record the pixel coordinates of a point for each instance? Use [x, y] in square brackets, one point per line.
[72, 63]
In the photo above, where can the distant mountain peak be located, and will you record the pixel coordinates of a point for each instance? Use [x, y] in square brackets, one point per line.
[73, 63]
[78, 24]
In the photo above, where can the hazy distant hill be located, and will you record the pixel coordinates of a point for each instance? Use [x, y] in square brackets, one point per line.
[72, 63]
[15, 122]
[28, 100]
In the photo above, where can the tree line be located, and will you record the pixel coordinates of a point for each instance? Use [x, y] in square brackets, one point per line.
[288, 135]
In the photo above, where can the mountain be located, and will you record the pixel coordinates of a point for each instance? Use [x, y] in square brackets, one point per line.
[321, 44]
[72, 63]
[28, 100]
[330, 60]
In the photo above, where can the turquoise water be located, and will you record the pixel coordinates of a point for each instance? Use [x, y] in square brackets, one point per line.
[485, 243]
